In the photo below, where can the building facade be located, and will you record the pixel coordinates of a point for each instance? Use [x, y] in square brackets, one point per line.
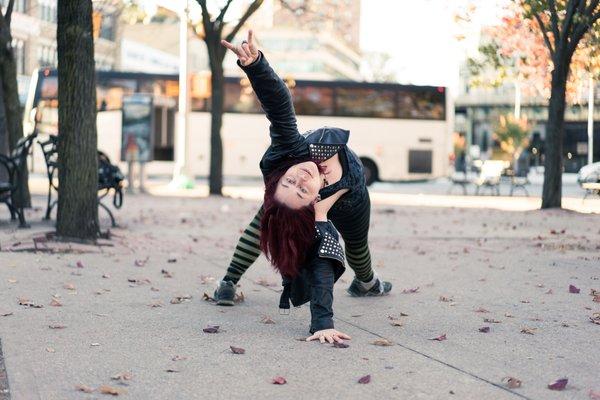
[33, 28]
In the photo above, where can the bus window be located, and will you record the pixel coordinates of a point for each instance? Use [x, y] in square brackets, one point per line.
[241, 98]
[312, 100]
[365, 102]
[421, 105]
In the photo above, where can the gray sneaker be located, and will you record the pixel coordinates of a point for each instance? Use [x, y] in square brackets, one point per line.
[380, 288]
[225, 293]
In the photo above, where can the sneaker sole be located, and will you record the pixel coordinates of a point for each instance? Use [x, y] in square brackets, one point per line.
[225, 303]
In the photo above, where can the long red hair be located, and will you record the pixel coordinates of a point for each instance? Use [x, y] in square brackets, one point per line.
[286, 234]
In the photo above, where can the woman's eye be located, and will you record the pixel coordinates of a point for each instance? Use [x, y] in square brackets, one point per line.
[290, 181]
[304, 191]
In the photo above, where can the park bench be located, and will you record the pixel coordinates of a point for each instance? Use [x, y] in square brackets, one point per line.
[110, 178]
[590, 188]
[14, 165]
[489, 176]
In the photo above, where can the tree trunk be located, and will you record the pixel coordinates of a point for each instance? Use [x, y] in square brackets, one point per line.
[553, 164]
[216, 121]
[12, 106]
[77, 147]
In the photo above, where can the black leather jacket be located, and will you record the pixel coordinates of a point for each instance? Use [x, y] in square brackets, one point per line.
[326, 262]
[287, 142]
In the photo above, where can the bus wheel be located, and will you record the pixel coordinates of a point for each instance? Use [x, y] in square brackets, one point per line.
[370, 171]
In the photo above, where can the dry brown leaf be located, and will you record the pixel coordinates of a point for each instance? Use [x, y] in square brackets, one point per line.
[207, 297]
[155, 304]
[481, 310]
[237, 350]
[56, 326]
[491, 321]
[12, 280]
[512, 382]
[279, 380]
[382, 342]
[265, 282]
[445, 299]
[239, 298]
[55, 303]
[5, 313]
[181, 299]
[28, 303]
[84, 388]
[179, 358]
[123, 376]
[204, 279]
[69, 286]
[528, 331]
[105, 389]
[50, 350]
[595, 318]
[166, 273]
[395, 322]
[267, 320]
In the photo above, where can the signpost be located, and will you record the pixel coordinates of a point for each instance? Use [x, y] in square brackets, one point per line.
[137, 141]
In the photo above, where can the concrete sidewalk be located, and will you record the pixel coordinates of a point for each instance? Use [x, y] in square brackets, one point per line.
[118, 316]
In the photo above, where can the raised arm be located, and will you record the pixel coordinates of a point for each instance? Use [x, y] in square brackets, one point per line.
[271, 91]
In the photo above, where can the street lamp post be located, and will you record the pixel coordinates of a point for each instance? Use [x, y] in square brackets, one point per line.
[180, 171]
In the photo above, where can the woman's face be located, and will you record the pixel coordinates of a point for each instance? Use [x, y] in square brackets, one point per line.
[299, 186]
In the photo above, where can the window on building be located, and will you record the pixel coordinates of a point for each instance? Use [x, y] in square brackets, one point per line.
[313, 100]
[47, 56]
[107, 27]
[47, 10]
[365, 102]
[19, 6]
[19, 52]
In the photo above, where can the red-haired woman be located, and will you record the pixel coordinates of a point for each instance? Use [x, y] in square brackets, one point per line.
[302, 173]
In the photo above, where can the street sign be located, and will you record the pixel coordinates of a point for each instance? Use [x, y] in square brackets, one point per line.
[137, 141]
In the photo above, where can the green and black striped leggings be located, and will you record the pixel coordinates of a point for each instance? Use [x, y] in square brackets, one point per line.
[351, 222]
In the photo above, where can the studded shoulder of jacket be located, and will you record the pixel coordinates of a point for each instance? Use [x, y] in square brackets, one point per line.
[329, 245]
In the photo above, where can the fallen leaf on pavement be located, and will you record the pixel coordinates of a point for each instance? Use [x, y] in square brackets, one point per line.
[105, 389]
[595, 318]
[55, 303]
[340, 345]
[492, 321]
[239, 298]
[50, 350]
[411, 290]
[123, 376]
[508, 315]
[207, 297]
[528, 331]
[5, 313]
[204, 279]
[28, 303]
[594, 292]
[179, 358]
[558, 384]
[512, 382]
[106, 276]
[267, 320]
[11, 280]
[141, 263]
[482, 310]
[172, 370]
[155, 304]
[211, 329]
[395, 322]
[56, 326]
[484, 329]
[573, 289]
[69, 286]
[365, 379]
[79, 264]
[382, 342]
[445, 299]
[237, 350]
[439, 338]
[84, 388]
[279, 380]
[181, 299]
[166, 273]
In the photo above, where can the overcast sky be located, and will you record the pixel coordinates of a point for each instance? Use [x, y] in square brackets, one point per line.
[420, 35]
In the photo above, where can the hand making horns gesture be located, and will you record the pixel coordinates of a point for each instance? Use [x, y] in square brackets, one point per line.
[247, 52]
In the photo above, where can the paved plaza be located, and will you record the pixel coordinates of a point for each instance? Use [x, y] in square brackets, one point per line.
[132, 307]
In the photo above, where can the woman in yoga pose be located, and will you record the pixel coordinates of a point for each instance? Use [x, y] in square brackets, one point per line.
[308, 178]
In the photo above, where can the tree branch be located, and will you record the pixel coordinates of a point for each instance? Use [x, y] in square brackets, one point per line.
[568, 21]
[251, 8]
[544, 33]
[206, 22]
[8, 13]
[223, 12]
[554, 20]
